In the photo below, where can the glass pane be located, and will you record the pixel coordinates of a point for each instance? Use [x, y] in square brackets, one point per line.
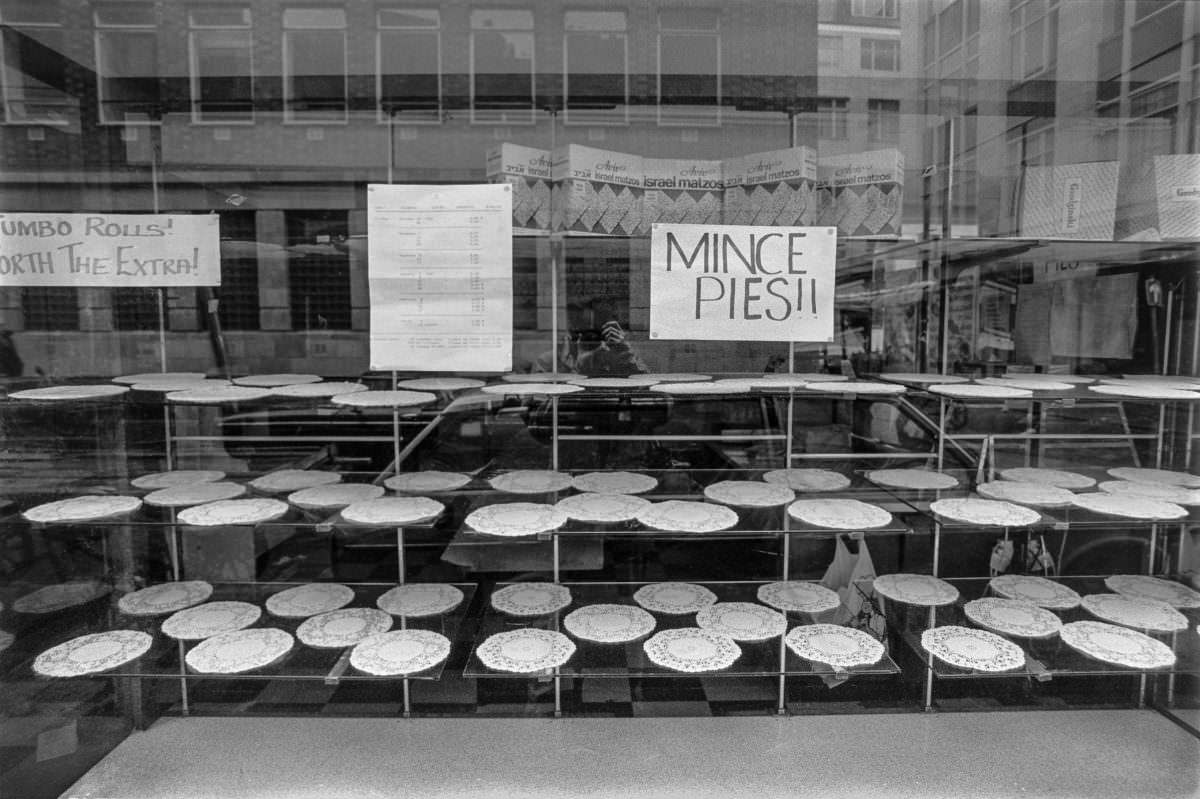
[129, 76]
[224, 77]
[316, 74]
[409, 70]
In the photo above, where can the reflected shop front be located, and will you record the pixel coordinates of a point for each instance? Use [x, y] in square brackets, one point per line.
[657, 358]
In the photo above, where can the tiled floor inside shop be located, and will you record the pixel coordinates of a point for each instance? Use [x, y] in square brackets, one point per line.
[1130, 754]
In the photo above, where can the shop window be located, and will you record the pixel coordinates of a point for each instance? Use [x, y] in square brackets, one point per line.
[502, 68]
[220, 47]
[880, 55]
[878, 9]
[238, 308]
[33, 68]
[596, 67]
[689, 67]
[1144, 8]
[1034, 36]
[139, 309]
[127, 69]
[883, 120]
[318, 269]
[950, 32]
[832, 117]
[829, 52]
[50, 308]
[314, 64]
[409, 61]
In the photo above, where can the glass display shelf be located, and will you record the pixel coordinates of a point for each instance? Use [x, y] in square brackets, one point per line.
[592, 659]
[1046, 657]
[36, 633]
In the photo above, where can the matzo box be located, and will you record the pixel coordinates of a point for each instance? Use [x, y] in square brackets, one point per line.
[683, 191]
[862, 193]
[596, 191]
[527, 170]
[1070, 201]
[1177, 184]
[776, 187]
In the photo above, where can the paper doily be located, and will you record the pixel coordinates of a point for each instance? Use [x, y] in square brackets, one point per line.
[338, 629]
[912, 479]
[839, 514]
[398, 511]
[439, 384]
[82, 509]
[165, 598]
[686, 516]
[776, 382]
[973, 391]
[698, 389]
[1048, 477]
[385, 399]
[857, 387]
[742, 621]
[1143, 586]
[1038, 495]
[691, 649]
[968, 648]
[840, 647]
[916, 589]
[317, 390]
[808, 479]
[923, 378]
[1145, 389]
[525, 651]
[1048, 377]
[170, 386]
[674, 599]
[180, 477]
[288, 480]
[538, 377]
[69, 393]
[184, 496]
[209, 619]
[217, 395]
[275, 380]
[1141, 614]
[1119, 645]
[146, 377]
[609, 624]
[1013, 617]
[531, 599]
[338, 495]
[530, 389]
[1142, 475]
[749, 494]
[239, 651]
[799, 596]
[400, 652]
[53, 598]
[307, 600]
[676, 377]
[614, 483]
[1035, 384]
[616, 383]
[985, 512]
[90, 654]
[1129, 506]
[416, 600]
[512, 519]
[426, 482]
[1035, 590]
[233, 512]
[602, 508]
[1161, 491]
[531, 481]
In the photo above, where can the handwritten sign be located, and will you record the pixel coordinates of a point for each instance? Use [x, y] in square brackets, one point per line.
[114, 250]
[742, 283]
[439, 266]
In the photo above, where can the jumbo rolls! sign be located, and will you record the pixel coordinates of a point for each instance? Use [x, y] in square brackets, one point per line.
[117, 250]
[747, 283]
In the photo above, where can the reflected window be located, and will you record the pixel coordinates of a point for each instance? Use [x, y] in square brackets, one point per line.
[595, 67]
[318, 269]
[139, 308]
[314, 64]
[220, 48]
[829, 52]
[883, 120]
[238, 306]
[1034, 26]
[832, 117]
[127, 68]
[33, 68]
[409, 58]
[880, 55]
[879, 9]
[689, 67]
[50, 307]
[502, 68]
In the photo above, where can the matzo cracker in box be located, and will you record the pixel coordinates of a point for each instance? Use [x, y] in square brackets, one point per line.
[596, 191]
[1070, 201]
[771, 188]
[862, 193]
[683, 191]
[527, 170]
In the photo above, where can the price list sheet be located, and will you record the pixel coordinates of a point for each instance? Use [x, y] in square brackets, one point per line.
[440, 273]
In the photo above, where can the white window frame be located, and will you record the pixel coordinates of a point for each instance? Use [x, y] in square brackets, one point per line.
[838, 108]
[874, 112]
[496, 116]
[1019, 32]
[714, 34]
[194, 69]
[6, 89]
[100, 30]
[870, 43]
[434, 118]
[289, 114]
[585, 117]
[888, 9]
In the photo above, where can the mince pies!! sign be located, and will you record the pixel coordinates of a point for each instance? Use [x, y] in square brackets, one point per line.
[750, 283]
